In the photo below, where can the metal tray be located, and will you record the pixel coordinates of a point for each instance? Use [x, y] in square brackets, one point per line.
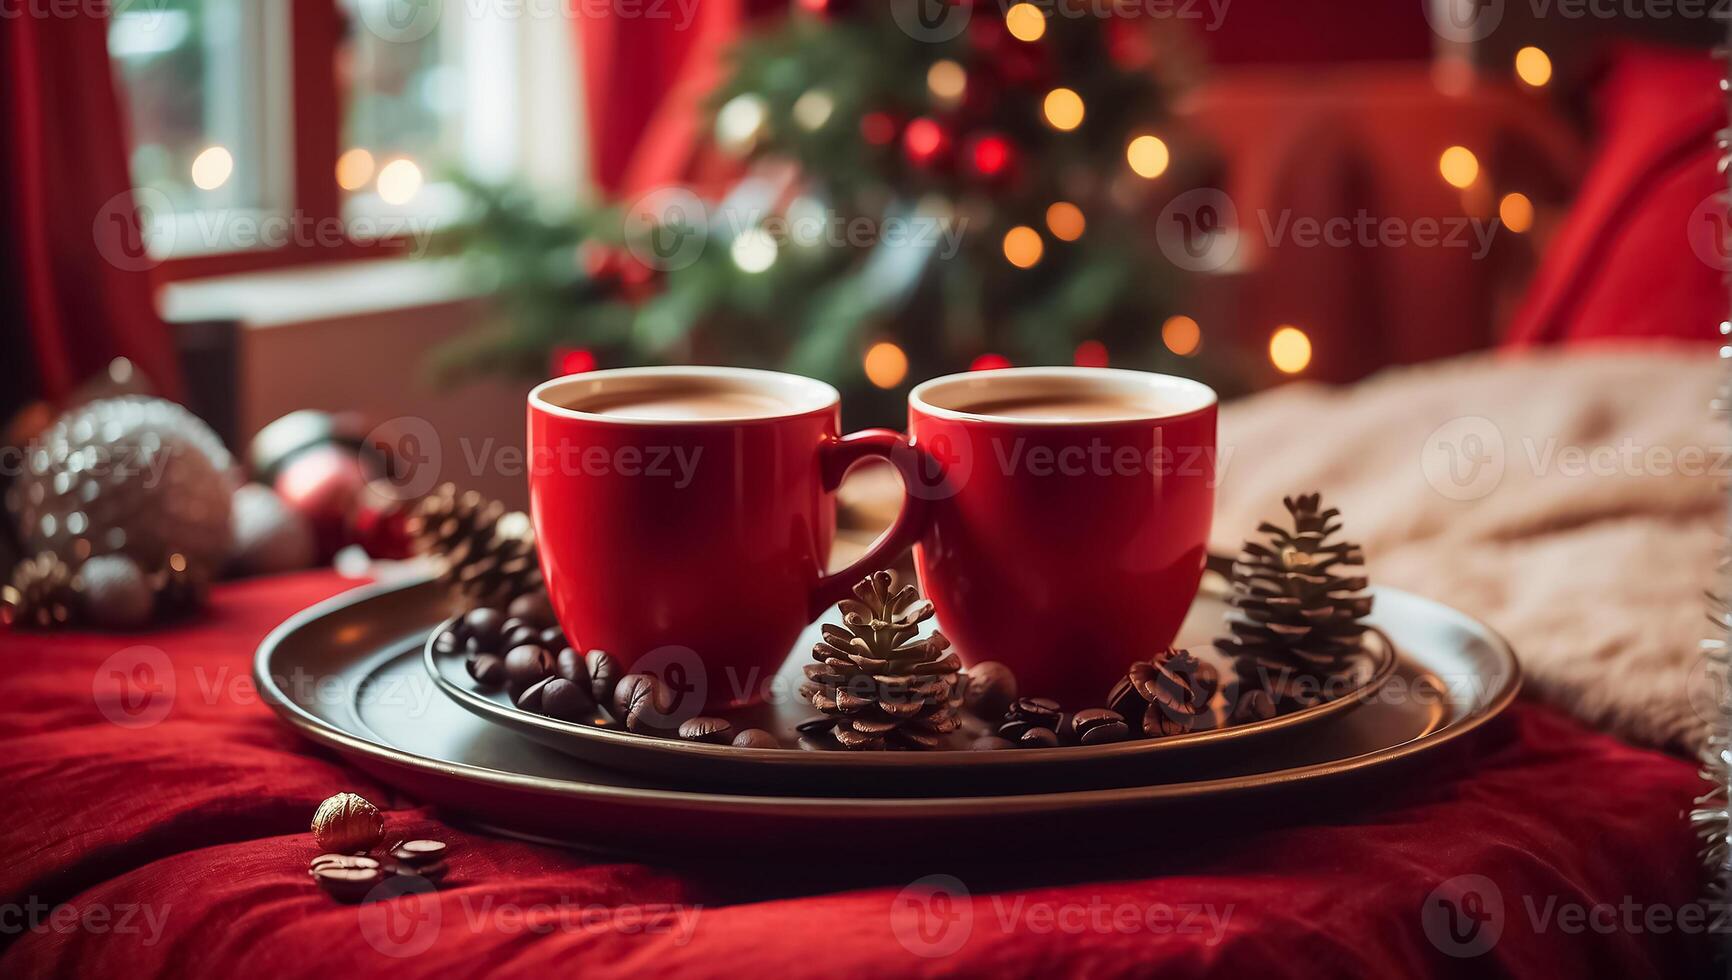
[349, 675]
[1134, 762]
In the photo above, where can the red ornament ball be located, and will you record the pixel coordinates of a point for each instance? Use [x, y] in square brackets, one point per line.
[925, 142]
[878, 128]
[572, 360]
[991, 156]
[323, 485]
[1090, 353]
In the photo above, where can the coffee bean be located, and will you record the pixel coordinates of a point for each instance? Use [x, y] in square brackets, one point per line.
[522, 634]
[812, 726]
[446, 642]
[532, 607]
[603, 675]
[1013, 730]
[484, 625]
[1097, 726]
[990, 688]
[348, 884]
[529, 699]
[642, 701]
[419, 851]
[756, 738]
[569, 665]
[487, 670]
[991, 743]
[1038, 738]
[349, 861]
[552, 638]
[1037, 711]
[715, 731]
[566, 701]
[526, 664]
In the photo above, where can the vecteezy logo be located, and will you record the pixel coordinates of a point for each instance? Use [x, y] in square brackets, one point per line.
[1463, 917]
[1710, 231]
[401, 916]
[936, 469]
[412, 447]
[1463, 21]
[932, 21]
[134, 229]
[933, 916]
[667, 228]
[1463, 459]
[400, 21]
[685, 684]
[1198, 231]
[134, 687]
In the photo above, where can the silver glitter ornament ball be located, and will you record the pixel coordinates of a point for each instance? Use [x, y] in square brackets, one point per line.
[133, 475]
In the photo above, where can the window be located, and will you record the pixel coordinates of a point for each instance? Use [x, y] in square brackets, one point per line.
[269, 132]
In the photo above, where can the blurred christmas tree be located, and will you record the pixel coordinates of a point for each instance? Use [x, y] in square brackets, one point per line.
[918, 196]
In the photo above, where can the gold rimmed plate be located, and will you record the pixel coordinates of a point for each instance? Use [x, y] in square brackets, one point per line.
[349, 674]
[808, 762]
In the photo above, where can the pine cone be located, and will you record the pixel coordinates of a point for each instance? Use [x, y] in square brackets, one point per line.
[884, 688]
[1298, 619]
[487, 555]
[1174, 690]
[40, 593]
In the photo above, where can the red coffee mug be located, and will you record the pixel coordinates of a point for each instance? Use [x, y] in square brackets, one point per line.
[695, 548]
[1064, 547]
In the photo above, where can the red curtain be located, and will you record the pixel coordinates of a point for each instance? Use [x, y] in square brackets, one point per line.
[645, 79]
[73, 290]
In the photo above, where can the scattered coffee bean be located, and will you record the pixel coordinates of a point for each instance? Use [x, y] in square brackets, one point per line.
[552, 638]
[348, 884]
[420, 851]
[483, 625]
[1250, 705]
[990, 688]
[532, 607]
[812, 726]
[991, 743]
[715, 731]
[350, 861]
[1097, 726]
[566, 701]
[446, 642]
[529, 699]
[1013, 730]
[603, 675]
[525, 665]
[569, 665]
[1125, 700]
[487, 670]
[1038, 738]
[756, 738]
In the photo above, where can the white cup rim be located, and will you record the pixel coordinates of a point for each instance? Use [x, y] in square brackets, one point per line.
[1187, 397]
[803, 395]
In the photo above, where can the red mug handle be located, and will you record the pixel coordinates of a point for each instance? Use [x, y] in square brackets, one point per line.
[835, 460]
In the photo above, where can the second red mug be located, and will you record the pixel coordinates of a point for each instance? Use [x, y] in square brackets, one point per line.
[1067, 516]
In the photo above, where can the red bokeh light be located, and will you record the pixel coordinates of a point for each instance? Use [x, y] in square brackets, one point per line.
[878, 128]
[991, 155]
[989, 362]
[1090, 353]
[570, 360]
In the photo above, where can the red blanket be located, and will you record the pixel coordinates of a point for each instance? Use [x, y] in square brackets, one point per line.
[180, 848]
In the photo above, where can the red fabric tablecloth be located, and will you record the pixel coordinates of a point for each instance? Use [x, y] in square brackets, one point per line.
[180, 848]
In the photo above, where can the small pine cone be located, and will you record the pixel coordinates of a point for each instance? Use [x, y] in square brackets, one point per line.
[1176, 690]
[1298, 619]
[487, 555]
[884, 688]
[40, 594]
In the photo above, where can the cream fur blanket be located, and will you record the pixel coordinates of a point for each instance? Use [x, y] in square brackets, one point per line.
[1572, 501]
